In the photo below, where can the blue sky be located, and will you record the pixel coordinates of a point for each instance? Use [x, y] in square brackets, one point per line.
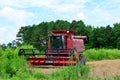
[17, 13]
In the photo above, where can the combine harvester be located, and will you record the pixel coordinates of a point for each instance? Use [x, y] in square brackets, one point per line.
[63, 48]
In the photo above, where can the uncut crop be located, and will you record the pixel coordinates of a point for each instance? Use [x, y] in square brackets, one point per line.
[10, 63]
[14, 67]
[100, 54]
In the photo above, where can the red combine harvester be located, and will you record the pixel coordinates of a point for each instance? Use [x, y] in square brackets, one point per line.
[63, 48]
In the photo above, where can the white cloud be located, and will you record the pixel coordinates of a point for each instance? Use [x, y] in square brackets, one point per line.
[18, 17]
[2, 30]
[28, 3]
[69, 5]
[80, 16]
[64, 8]
[99, 16]
[10, 3]
[55, 5]
[7, 34]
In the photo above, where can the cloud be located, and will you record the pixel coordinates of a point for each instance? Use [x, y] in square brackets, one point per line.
[55, 5]
[13, 20]
[28, 3]
[2, 30]
[64, 8]
[103, 13]
[7, 34]
[100, 14]
[17, 17]
[10, 3]
[69, 5]
[80, 16]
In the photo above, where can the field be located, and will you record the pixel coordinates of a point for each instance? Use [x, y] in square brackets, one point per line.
[103, 64]
[104, 68]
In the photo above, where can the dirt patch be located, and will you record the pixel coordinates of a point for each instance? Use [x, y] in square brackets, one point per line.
[50, 70]
[103, 68]
[46, 70]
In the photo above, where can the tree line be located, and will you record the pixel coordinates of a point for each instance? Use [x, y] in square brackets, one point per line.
[97, 37]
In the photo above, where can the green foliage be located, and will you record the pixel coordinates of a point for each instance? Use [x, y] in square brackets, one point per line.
[100, 54]
[10, 64]
[97, 37]
[117, 77]
[1, 51]
[37, 35]
[13, 67]
[71, 73]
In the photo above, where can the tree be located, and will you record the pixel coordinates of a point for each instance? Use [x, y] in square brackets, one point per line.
[97, 37]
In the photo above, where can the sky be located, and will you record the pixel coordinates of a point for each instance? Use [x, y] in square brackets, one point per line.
[17, 13]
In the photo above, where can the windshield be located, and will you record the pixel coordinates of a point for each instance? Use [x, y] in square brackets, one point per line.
[57, 42]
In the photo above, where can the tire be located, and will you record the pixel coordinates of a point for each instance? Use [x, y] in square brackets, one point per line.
[82, 59]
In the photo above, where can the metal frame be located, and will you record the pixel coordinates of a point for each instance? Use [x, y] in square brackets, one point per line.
[58, 52]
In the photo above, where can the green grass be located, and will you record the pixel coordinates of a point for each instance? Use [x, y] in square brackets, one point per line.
[76, 72]
[14, 67]
[101, 54]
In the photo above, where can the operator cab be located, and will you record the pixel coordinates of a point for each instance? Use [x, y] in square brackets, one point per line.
[57, 42]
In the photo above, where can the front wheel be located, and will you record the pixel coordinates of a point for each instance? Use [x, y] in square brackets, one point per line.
[82, 59]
